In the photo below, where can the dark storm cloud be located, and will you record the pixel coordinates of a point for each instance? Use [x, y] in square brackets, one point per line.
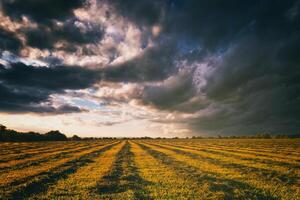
[145, 12]
[23, 85]
[49, 78]
[72, 31]
[255, 85]
[209, 22]
[255, 89]
[8, 41]
[213, 24]
[27, 99]
[172, 93]
[52, 60]
[40, 11]
[27, 89]
[55, 22]
[154, 64]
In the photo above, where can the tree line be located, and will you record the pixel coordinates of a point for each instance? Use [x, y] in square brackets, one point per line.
[9, 135]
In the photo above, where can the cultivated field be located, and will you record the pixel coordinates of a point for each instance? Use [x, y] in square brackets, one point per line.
[151, 169]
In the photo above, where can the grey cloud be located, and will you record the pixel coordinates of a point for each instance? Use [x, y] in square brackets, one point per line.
[72, 31]
[170, 93]
[48, 78]
[154, 64]
[54, 23]
[145, 12]
[9, 41]
[256, 89]
[41, 11]
[255, 86]
[110, 123]
[24, 99]
[26, 88]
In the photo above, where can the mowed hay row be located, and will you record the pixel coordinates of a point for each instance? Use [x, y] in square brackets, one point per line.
[274, 160]
[43, 162]
[122, 181]
[22, 147]
[283, 157]
[34, 150]
[218, 186]
[265, 146]
[244, 182]
[275, 175]
[254, 165]
[16, 150]
[281, 148]
[280, 176]
[35, 178]
[152, 169]
[19, 146]
[161, 181]
[83, 183]
[36, 158]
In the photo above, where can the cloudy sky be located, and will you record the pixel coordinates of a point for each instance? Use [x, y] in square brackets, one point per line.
[150, 67]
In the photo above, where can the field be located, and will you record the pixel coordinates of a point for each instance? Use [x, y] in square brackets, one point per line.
[151, 169]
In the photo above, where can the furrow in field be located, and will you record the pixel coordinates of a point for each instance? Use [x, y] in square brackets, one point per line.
[82, 183]
[163, 182]
[39, 158]
[43, 159]
[249, 160]
[281, 178]
[277, 185]
[287, 149]
[123, 181]
[17, 148]
[207, 174]
[257, 152]
[38, 182]
[16, 175]
[12, 145]
[32, 152]
[256, 155]
[288, 163]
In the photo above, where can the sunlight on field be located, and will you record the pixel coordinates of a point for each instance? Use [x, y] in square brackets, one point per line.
[151, 169]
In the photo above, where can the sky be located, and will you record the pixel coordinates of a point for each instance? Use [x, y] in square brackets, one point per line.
[159, 68]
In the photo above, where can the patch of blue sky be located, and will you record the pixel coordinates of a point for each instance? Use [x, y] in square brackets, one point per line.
[92, 90]
[186, 45]
[9, 57]
[86, 104]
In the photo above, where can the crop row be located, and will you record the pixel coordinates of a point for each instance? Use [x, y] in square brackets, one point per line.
[156, 169]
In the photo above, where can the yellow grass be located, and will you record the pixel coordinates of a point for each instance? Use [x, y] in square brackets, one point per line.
[80, 184]
[152, 169]
[162, 182]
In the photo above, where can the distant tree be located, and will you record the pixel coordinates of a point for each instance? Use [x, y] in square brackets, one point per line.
[281, 136]
[146, 138]
[55, 135]
[263, 136]
[31, 136]
[196, 137]
[2, 128]
[75, 138]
